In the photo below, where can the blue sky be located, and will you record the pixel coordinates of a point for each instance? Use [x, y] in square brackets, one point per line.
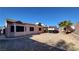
[47, 15]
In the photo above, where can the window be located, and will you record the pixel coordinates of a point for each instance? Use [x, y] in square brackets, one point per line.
[31, 28]
[39, 29]
[19, 28]
[12, 28]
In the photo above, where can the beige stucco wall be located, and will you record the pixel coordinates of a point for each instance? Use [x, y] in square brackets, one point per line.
[27, 31]
[50, 28]
[7, 31]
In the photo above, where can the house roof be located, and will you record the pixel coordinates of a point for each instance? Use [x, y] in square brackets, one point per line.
[19, 22]
[52, 27]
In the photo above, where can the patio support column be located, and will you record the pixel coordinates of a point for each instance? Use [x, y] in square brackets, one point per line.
[14, 28]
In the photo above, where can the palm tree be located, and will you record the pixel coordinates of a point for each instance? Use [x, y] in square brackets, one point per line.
[65, 23]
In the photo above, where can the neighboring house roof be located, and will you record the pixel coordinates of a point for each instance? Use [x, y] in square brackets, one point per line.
[52, 27]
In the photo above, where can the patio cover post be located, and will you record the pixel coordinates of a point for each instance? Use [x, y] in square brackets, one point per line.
[14, 28]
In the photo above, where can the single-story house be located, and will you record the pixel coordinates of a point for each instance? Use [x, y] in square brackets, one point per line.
[18, 28]
[52, 28]
[45, 29]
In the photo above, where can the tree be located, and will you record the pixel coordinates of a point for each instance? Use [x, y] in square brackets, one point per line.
[18, 22]
[65, 23]
[66, 26]
[39, 24]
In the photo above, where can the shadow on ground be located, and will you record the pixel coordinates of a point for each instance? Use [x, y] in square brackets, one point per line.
[25, 44]
[66, 46]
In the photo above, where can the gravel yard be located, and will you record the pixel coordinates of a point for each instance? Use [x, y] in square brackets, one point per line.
[41, 42]
[52, 39]
[76, 32]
